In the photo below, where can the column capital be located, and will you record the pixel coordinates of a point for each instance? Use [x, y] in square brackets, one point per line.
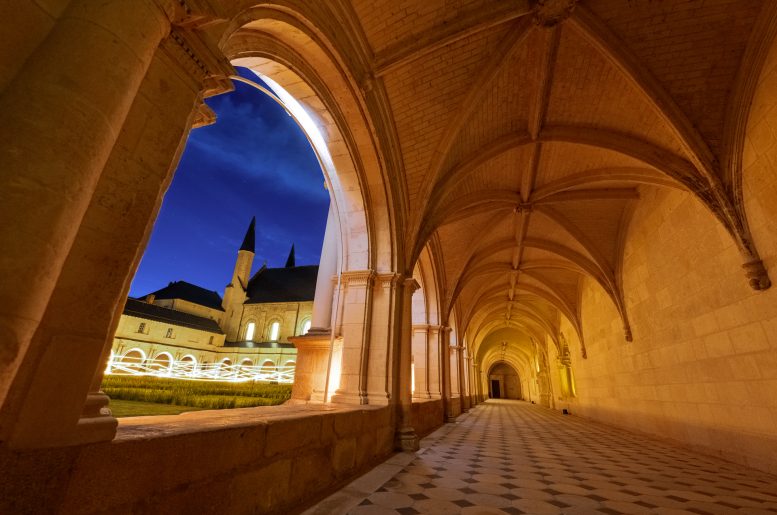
[421, 327]
[387, 280]
[356, 277]
[434, 328]
[411, 284]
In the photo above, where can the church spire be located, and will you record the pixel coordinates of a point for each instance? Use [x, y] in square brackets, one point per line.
[290, 260]
[250, 237]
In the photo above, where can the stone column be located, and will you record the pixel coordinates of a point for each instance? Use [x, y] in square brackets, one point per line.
[62, 113]
[73, 341]
[476, 382]
[321, 320]
[406, 438]
[467, 380]
[383, 338]
[434, 372]
[354, 328]
[420, 343]
[463, 392]
[445, 367]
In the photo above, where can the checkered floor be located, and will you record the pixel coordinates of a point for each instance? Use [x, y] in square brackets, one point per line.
[513, 457]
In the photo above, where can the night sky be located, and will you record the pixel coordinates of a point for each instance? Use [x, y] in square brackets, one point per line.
[254, 161]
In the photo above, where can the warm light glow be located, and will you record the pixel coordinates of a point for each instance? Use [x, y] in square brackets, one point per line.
[250, 328]
[274, 330]
[412, 377]
[306, 327]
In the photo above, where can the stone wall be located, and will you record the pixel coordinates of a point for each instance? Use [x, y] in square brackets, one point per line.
[256, 460]
[702, 368]
[427, 415]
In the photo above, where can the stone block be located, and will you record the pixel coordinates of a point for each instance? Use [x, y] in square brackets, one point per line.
[292, 434]
[263, 489]
[344, 456]
[311, 473]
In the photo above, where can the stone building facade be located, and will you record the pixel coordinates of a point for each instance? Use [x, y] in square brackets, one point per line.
[185, 330]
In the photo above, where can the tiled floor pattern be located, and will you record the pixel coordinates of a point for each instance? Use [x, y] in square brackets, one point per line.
[514, 457]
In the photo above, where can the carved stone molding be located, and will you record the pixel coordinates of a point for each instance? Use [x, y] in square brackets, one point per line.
[387, 280]
[548, 13]
[199, 60]
[411, 285]
[756, 274]
[357, 277]
[189, 13]
[203, 116]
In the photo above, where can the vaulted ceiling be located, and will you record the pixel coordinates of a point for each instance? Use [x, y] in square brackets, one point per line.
[528, 131]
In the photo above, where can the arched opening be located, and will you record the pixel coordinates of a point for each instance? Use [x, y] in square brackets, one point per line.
[504, 382]
[132, 360]
[268, 367]
[187, 365]
[162, 362]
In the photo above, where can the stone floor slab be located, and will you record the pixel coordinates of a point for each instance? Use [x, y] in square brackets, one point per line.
[514, 457]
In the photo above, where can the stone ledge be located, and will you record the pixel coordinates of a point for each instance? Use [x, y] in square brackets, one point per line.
[209, 459]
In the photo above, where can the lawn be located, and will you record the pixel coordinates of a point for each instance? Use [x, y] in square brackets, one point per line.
[120, 408]
[180, 395]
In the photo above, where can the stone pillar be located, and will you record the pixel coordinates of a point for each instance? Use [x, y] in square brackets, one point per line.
[73, 340]
[321, 320]
[467, 380]
[447, 378]
[62, 113]
[380, 376]
[463, 392]
[433, 352]
[420, 351]
[478, 398]
[310, 370]
[406, 438]
[353, 326]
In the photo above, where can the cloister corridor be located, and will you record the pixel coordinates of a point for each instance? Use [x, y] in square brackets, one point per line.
[509, 456]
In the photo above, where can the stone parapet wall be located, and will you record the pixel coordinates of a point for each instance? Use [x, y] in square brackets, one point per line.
[427, 415]
[254, 460]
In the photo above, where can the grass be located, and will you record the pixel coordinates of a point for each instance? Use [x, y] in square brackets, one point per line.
[120, 408]
[197, 394]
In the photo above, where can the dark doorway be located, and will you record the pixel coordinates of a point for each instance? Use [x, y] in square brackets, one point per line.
[495, 393]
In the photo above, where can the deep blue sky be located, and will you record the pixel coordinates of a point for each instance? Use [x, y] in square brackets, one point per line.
[255, 160]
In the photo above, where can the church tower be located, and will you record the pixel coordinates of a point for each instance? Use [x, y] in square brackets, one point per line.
[235, 292]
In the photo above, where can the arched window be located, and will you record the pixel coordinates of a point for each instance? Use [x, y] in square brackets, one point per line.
[275, 328]
[250, 328]
[305, 327]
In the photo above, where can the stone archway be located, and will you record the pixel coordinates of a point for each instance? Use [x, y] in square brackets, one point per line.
[504, 382]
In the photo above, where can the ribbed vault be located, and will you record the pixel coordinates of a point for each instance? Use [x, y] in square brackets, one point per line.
[528, 138]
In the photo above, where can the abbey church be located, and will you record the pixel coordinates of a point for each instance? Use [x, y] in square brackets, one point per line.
[184, 329]
[546, 283]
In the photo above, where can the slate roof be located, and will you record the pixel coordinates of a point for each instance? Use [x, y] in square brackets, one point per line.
[140, 309]
[190, 292]
[292, 284]
[250, 238]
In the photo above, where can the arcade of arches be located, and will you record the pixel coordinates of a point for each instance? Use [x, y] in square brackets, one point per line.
[576, 199]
